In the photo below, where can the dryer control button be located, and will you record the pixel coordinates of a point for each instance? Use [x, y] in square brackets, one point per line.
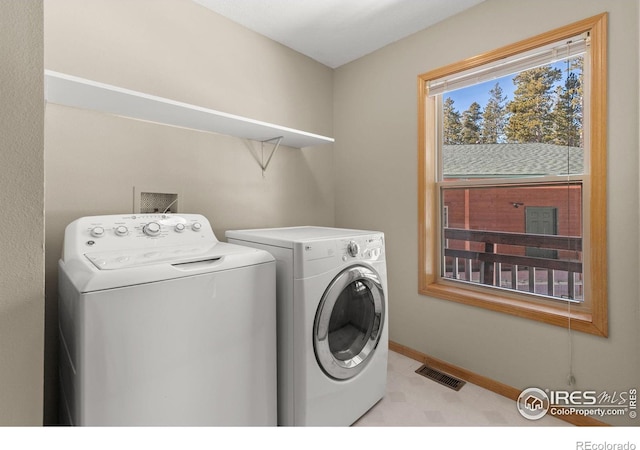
[197, 226]
[353, 249]
[152, 229]
[179, 228]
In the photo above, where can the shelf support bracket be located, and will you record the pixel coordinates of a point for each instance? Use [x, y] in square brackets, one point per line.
[276, 143]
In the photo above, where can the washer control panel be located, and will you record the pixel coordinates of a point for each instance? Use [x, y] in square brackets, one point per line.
[113, 233]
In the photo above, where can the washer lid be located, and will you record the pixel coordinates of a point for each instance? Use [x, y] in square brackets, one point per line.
[87, 276]
[123, 259]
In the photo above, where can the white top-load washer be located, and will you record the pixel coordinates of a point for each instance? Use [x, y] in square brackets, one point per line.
[332, 321]
[162, 325]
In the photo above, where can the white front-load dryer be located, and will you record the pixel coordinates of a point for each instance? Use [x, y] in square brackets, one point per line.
[332, 321]
[162, 325]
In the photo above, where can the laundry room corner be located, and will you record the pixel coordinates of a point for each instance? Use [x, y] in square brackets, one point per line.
[96, 163]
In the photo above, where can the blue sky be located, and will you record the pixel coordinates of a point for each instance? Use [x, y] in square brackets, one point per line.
[462, 98]
[480, 92]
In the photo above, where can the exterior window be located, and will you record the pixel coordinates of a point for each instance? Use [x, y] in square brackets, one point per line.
[512, 179]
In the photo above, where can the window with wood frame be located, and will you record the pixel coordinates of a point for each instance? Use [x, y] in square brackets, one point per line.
[512, 179]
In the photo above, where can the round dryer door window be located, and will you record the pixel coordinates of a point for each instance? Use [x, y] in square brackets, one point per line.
[348, 322]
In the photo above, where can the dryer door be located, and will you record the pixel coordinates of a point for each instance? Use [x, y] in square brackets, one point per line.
[348, 322]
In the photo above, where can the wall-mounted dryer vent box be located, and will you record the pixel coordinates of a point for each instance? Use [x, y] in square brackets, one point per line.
[157, 202]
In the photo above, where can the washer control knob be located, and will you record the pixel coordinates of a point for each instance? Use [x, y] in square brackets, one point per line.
[179, 228]
[197, 226]
[121, 230]
[152, 229]
[97, 232]
[353, 249]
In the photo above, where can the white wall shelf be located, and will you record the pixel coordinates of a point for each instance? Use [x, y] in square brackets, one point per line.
[78, 92]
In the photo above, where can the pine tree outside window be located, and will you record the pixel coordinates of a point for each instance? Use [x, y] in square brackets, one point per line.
[512, 147]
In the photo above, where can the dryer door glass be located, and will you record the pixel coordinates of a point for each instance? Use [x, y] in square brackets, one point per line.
[348, 323]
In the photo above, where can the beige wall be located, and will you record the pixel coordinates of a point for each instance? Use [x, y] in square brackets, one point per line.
[375, 117]
[22, 218]
[179, 50]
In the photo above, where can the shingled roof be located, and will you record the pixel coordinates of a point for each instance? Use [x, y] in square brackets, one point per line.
[504, 160]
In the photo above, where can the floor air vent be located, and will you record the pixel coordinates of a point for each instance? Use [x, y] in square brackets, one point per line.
[441, 377]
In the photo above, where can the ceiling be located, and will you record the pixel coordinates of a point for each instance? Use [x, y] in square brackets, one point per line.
[335, 32]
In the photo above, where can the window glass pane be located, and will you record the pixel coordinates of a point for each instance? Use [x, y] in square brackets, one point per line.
[522, 238]
[522, 125]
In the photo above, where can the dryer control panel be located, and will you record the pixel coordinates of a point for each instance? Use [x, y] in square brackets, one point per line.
[112, 233]
[363, 248]
[319, 256]
[367, 248]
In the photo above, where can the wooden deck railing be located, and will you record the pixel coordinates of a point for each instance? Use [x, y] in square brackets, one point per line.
[490, 262]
